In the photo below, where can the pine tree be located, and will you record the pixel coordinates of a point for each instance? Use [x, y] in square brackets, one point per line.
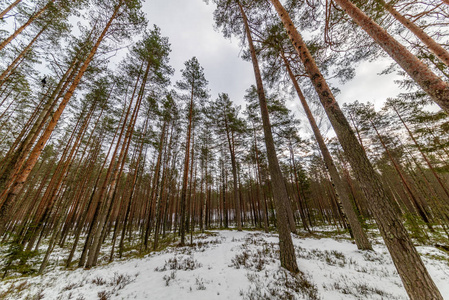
[194, 83]
[418, 284]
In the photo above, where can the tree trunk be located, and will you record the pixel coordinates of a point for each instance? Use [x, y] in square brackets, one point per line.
[159, 195]
[259, 184]
[434, 46]
[22, 28]
[110, 197]
[234, 175]
[44, 138]
[34, 156]
[185, 176]
[414, 275]
[416, 203]
[287, 251]
[11, 6]
[359, 234]
[434, 86]
[21, 55]
[446, 192]
[20, 150]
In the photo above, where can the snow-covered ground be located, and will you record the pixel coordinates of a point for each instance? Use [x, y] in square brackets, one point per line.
[235, 265]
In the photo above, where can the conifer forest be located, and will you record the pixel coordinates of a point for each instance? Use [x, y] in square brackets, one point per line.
[114, 160]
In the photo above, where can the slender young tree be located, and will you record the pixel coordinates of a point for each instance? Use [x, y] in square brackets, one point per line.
[229, 124]
[195, 84]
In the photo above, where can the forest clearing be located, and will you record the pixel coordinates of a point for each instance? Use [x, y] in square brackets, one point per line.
[261, 149]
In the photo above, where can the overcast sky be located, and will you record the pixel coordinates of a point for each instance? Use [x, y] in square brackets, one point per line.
[189, 26]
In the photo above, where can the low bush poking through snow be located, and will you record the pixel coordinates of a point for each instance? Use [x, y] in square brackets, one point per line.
[99, 281]
[235, 265]
[179, 263]
[104, 295]
[280, 284]
[331, 258]
[361, 290]
[256, 254]
[168, 278]
[199, 282]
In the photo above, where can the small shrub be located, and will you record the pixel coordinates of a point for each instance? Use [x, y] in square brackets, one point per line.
[70, 286]
[200, 284]
[167, 280]
[175, 263]
[120, 280]
[282, 285]
[99, 281]
[15, 259]
[103, 295]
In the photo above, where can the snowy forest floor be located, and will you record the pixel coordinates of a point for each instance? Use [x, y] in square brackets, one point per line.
[228, 264]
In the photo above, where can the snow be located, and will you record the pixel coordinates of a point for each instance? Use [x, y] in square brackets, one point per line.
[236, 265]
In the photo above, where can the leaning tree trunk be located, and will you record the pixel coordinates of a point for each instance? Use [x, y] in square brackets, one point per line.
[434, 46]
[22, 28]
[434, 86]
[426, 159]
[21, 55]
[16, 156]
[408, 188]
[110, 196]
[287, 251]
[359, 234]
[11, 6]
[414, 275]
[10, 197]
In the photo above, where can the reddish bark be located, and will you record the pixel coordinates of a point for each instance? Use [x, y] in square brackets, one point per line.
[21, 55]
[414, 275]
[287, 252]
[357, 230]
[433, 85]
[11, 6]
[185, 175]
[22, 28]
[434, 46]
[37, 150]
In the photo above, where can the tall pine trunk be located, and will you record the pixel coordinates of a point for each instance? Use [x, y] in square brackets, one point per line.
[434, 46]
[234, 175]
[185, 176]
[10, 197]
[414, 275]
[434, 86]
[22, 28]
[359, 234]
[21, 55]
[287, 251]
